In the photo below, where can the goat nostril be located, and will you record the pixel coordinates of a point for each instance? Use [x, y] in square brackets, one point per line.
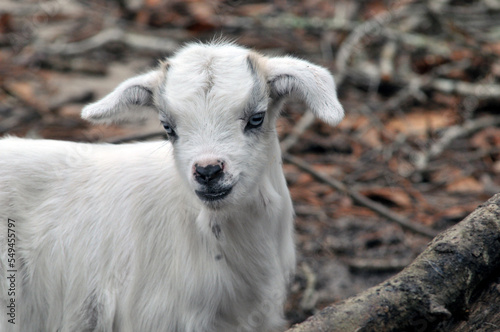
[208, 173]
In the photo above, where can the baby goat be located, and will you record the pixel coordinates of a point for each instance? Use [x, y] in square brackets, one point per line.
[190, 235]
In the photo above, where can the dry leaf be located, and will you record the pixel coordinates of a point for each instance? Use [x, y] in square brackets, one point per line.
[389, 196]
[353, 122]
[371, 138]
[446, 174]
[22, 90]
[421, 122]
[487, 138]
[457, 212]
[465, 185]
[496, 167]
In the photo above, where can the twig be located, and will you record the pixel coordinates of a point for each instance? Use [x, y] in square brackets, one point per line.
[310, 296]
[25, 8]
[465, 88]
[478, 90]
[307, 210]
[377, 265]
[421, 159]
[411, 91]
[387, 60]
[134, 40]
[305, 122]
[360, 199]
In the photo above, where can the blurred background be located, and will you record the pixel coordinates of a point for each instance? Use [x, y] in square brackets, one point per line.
[418, 150]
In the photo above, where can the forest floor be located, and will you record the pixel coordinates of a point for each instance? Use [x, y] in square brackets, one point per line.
[418, 150]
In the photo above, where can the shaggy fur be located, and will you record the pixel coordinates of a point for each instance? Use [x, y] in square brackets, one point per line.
[132, 237]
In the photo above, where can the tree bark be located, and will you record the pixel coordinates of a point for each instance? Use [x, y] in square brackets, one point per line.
[452, 286]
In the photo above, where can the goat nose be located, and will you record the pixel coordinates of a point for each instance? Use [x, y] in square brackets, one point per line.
[205, 174]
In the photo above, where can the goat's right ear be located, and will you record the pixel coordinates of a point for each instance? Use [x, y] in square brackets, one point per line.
[311, 83]
[129, 100]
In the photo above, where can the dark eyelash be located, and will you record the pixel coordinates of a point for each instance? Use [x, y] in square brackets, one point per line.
[169, 129]
[255, 121]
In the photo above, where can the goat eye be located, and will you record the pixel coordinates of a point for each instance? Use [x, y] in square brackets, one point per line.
[256, 120]
[170, 131]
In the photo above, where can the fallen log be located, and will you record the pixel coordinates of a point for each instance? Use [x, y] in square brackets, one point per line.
[441, 290]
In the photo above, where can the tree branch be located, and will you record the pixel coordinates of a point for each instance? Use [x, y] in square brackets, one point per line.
[436, 287]
[133, 40]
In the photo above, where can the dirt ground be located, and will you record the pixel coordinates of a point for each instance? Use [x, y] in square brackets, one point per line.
[419, 80]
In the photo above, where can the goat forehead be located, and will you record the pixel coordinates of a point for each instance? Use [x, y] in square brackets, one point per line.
[209, 79]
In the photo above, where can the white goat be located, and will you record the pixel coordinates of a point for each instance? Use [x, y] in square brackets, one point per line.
[195, 234]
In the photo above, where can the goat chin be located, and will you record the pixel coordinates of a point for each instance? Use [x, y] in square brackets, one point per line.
[195, 234]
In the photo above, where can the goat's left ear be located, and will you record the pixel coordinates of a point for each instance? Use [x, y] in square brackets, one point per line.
[311, 83]
[129, 100]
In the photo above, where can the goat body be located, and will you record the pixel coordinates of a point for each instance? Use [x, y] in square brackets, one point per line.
[195, 234]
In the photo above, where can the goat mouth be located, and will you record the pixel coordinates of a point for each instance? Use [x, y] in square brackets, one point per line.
[213, 195]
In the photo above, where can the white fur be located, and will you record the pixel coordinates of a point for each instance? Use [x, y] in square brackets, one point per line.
[114, 238]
